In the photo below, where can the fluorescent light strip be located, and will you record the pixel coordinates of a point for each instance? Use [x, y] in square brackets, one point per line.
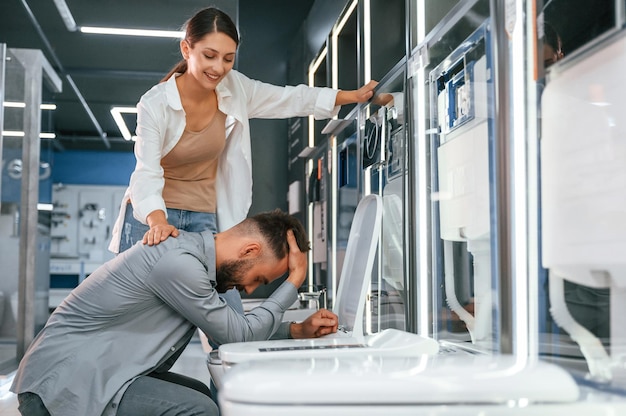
[12, 104]
[66, 15]
[316, 64]
[335, 39]
[313, 67]
[423, 218]
[367, 41]
[13, 133]
[421, 20]
[44, 207]
[116, 112]
[70, 24]
[309, 170]
[519, 204]
[333, 213]
[422, 203]
[334, 64]
[345, 18]
[133, 32]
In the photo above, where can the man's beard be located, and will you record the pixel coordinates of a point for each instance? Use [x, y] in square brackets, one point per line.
[230, 274]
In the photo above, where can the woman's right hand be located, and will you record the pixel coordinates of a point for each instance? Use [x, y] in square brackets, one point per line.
[159, 230]
[361, 95]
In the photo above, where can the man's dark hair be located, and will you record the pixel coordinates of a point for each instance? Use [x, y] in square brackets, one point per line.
[552, 38]
[273, 226]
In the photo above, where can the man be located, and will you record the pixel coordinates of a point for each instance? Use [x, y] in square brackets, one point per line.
[108, 347]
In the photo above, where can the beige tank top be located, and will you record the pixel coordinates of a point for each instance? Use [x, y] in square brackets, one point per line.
[190, 168]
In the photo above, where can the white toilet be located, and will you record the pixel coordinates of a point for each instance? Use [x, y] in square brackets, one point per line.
[349, 307]
[442, 385]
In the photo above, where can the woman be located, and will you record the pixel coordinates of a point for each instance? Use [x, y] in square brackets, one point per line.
[193, 154]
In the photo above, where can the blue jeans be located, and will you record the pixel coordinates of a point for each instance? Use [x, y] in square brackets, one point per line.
[30, 404]
[168, 394]
[133, 230]
[164, 394]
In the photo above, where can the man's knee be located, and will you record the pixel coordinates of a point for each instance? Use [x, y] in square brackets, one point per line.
[151, 395]
[201, 405]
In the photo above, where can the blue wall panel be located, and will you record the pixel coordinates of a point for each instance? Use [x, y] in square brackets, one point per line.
[12, 181]
[92, 168]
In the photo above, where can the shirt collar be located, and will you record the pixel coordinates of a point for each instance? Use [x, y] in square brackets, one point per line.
[223, 88]
[173, 96]
[171, 92]
[209, 251]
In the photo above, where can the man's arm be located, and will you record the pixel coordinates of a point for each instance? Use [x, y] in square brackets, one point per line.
[183, 283]
[322, 322]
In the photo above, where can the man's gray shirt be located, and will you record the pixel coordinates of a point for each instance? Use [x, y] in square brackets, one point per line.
[132, 316]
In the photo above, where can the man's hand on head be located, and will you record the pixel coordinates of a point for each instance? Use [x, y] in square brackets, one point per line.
[322, 322]
[297, 261]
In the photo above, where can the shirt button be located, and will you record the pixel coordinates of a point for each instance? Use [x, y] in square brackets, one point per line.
[173, 349]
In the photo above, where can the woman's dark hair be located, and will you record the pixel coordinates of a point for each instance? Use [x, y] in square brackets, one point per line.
[205, 21]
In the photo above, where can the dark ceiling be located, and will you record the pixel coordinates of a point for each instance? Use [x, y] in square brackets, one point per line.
[116, 70]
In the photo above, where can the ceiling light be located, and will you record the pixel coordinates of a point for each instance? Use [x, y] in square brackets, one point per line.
[13, 104]
[66, 15]
[116, 112]
[13, 133]
[133, 32]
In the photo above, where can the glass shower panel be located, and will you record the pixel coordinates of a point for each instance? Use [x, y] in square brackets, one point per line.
[13, 91]
[347, 196]
[384, 172]
[317, 182]
[24, 231]
[388, 42]
[346, 72]
[434, 13]
[460, 142]
[583, 176]
[342, 137]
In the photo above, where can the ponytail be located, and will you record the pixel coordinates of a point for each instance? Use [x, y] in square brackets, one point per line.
[180, 67]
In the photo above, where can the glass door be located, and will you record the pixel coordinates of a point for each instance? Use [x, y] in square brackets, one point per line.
[24, 229]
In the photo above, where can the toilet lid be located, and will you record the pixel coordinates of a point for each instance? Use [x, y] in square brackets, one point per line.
[358, 263]
[380, 380]
[349, 303]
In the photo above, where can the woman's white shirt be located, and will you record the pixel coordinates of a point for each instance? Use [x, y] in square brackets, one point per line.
[160, 124]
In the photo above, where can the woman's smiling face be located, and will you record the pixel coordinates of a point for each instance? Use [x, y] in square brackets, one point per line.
[210, 59]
